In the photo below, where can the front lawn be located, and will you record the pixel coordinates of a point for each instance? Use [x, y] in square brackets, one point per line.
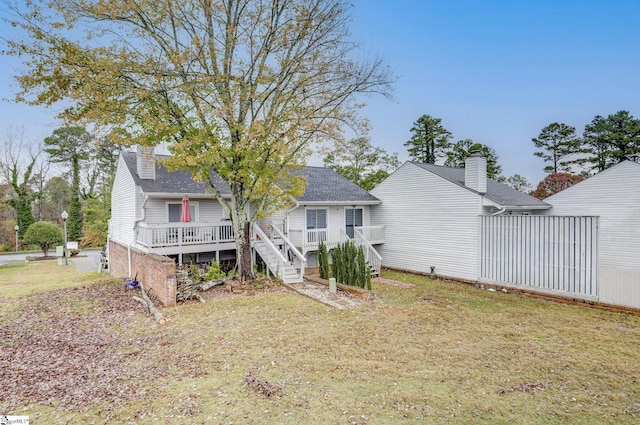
[435, 352]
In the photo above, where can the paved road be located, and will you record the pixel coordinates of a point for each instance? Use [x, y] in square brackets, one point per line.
[86, 261]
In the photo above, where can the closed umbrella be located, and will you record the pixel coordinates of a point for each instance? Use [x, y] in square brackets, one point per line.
[185, 215]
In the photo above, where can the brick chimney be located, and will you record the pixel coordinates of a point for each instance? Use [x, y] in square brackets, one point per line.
[475, 172]
[145, 162]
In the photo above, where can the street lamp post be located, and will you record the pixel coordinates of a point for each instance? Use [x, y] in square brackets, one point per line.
[65, 216]
[16, 229]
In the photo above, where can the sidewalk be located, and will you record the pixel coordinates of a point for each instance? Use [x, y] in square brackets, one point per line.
[84, 264]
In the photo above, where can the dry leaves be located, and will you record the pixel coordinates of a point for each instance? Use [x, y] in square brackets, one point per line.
[63, 349]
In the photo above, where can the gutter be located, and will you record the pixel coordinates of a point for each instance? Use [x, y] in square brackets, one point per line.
[286, 216]
[135, 230]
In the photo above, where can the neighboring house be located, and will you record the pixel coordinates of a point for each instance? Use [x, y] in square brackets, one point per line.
[431, 214]
[148, 217]
[612, 195]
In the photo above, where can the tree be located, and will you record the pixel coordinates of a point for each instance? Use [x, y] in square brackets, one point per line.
[518, 183]
[554, 183]
[559, 147]
[44, 234]
[429, 141]
[239, 89]
[362, 163]
[19, 174]
[462, 149]
[55, 198]
[611, 140]
[71, 146]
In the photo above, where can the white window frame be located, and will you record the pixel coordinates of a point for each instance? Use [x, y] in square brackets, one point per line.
[326, 224]
[194, 206]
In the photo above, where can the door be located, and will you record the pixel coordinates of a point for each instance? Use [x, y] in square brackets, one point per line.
[353, 219]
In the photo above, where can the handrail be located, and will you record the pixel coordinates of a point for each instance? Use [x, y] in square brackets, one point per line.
[271, 247]
[290, 245]
[372, 256]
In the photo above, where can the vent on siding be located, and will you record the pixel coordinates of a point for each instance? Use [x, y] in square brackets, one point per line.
[475, 172]
[146, 164]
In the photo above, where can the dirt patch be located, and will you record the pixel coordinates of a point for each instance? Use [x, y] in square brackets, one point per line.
[340, 300]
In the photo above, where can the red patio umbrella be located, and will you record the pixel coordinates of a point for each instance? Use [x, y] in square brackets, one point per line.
[185, 215]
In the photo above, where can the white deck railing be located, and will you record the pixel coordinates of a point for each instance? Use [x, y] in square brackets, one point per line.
[178, 234]
[372, 256]
[332, 236]
[300, 261]
[271, 255]
[373, 234]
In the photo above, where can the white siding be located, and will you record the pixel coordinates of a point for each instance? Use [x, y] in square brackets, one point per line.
[614, 196]
[208, 210]
[429, 222]
[123, 204]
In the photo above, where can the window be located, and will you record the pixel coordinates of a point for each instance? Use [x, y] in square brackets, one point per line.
[353, 219]
[316, 225]
[175, 211]
[317, 219]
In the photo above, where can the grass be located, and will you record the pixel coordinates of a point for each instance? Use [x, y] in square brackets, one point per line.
[37, 276]
[436, 352]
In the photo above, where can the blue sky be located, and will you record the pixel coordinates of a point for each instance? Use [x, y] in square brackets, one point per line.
[499, 71]
[494, 71]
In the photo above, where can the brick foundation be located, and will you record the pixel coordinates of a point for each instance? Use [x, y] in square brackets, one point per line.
[157, 273]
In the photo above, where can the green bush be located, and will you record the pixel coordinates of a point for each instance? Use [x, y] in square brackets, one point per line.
[323, 261]
[350, 266]
[43, 234]
[214, 272]
[194, 272]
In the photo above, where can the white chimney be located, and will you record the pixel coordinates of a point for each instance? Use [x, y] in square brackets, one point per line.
[146, 164]
[475, 172]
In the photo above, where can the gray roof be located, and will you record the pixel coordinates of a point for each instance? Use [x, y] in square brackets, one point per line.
[499, 193]
[323, 184]
[326, 185]
[178, 182]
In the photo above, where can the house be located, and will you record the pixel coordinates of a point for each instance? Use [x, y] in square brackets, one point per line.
[431, 214]
[148, 219]
[614, 197]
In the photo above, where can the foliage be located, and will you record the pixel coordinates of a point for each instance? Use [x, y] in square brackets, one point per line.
[193, 272]
[71, 146]
[558, 146]
[55, 198]
[349, 265]
[462, 149]
[518, 183]
[429, 141]
[18, 173]
[362, 163]
[214, 272]
[612, 140]
[235, 87]
[323, 260]
[44, 234]
[554, 183]
[96, 223]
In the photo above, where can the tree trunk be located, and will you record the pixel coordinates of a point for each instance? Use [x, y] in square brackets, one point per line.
[242, 232]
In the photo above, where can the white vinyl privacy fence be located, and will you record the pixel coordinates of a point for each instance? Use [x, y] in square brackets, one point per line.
[545, 253]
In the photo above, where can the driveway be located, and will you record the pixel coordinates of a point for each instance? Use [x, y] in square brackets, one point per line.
[86, 261]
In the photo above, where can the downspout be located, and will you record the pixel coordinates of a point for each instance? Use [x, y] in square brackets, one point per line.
[286, 217]
[135, 230]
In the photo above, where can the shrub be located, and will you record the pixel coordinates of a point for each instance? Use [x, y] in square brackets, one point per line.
[323, 261]
[214, 272]
[350, 266]
[194, 272]
[45, 235]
